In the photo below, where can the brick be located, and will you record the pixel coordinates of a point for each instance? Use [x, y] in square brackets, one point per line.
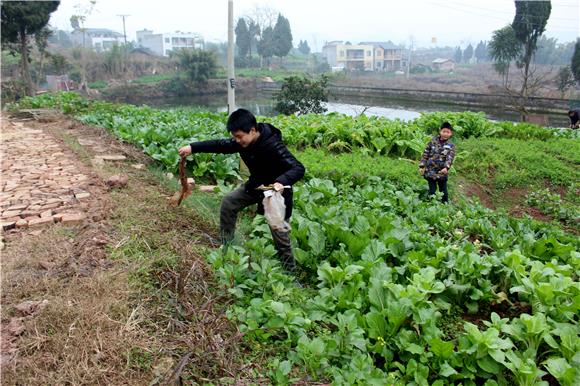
[82, 195]
[118, 181]
[73, 218]
[29, 213]
[58, 217]
[10, 213]
[7, 225]
[22, 223]
[18, 207]
[40, 222]
[51, 206]
[46, 213]
[112, 157]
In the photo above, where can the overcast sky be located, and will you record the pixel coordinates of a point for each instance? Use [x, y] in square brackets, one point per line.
[451, 22]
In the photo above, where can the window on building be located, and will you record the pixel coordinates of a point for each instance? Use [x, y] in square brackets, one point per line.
[174, 41]
[369, 53]
[166, 40]
[341, 53]
[379, 53]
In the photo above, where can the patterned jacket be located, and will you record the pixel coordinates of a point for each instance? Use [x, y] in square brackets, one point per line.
[437, 155]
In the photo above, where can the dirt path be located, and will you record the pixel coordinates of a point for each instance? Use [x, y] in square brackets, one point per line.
[121, 295]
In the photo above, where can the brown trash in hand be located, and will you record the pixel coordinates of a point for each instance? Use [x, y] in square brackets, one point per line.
[185, 191]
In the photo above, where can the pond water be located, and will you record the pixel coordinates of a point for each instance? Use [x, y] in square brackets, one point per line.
[388, 108]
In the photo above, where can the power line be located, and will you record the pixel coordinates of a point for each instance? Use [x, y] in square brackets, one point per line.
[496, 17]
[506, 12]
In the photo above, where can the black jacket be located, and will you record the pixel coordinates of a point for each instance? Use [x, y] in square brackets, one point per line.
[574, 118]
[268, 160]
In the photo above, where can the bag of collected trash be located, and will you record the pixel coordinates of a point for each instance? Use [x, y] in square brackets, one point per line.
[275, 210]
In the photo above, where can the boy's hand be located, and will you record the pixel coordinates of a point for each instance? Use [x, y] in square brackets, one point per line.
[185, 151]
[444, 171]
[278, 187]
[422, 171]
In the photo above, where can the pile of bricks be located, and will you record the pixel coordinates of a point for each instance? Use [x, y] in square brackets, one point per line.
[40, 184]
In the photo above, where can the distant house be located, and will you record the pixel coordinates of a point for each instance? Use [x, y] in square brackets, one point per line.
[388, 56]
[365, 56]
[99, 39]
[442, 64]
[163, 43]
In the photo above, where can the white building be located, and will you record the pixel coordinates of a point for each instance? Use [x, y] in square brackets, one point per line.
[99, 39]
[163, 43]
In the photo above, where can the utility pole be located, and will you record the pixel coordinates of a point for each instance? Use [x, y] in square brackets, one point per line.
[409, 60]
[125, 59]
[231, 77]
[124, 31]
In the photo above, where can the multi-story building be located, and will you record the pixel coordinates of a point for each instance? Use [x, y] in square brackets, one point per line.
[367, 56]
[99, 39]
[163, 43]
[388, 56]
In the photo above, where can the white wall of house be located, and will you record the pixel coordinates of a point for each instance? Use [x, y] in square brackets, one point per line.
[97, 39]
[163, 44]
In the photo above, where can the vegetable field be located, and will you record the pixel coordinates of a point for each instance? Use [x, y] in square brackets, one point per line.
[392, 288]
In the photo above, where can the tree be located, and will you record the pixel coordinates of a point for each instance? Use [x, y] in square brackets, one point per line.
[546, 51]
[266, 44]
[481, 52]
[200, 65]
[243, 40]
[458, 55]
[564, 79]
[21, 20]
[59, 63]
[504, 47]
[282, 37]
[575, 66]
[468, 53]
[253, 33]
[41, 40]
[259, 19]
[529, 24]
[302, 95]
[304, 47]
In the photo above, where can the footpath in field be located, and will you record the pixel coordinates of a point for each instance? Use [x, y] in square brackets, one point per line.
[43, 184]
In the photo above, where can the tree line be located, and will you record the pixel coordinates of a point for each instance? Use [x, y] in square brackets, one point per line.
[259, 35]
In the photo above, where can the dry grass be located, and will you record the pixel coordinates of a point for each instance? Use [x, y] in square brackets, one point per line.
[477, 78]
[82, 336]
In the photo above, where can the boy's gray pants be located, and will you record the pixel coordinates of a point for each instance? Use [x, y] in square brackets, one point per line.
[237, 200]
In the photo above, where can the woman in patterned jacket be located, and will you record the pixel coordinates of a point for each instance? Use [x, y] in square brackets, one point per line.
[437, 160]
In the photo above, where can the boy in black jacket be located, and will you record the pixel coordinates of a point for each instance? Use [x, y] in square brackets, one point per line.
[270, 163]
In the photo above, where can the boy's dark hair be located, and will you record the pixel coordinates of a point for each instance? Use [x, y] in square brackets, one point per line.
[446, 125]
[243, 120]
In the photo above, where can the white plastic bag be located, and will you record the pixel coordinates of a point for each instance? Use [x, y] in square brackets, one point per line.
[275, 211]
